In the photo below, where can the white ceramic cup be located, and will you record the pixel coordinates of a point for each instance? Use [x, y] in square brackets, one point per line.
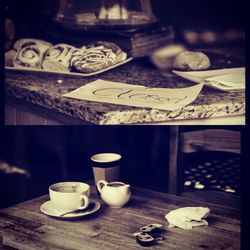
[69, 196]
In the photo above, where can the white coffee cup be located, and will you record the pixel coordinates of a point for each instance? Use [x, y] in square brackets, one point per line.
[69, 196]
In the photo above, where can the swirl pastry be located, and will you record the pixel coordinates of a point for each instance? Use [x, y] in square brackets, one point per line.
[9, 57]
[29, 41]
[97, 56]
[58, 57]
[30, 53]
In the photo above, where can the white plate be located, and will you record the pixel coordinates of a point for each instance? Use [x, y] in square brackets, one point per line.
[201, 76]
[67, 73]
[211, 78]
[48, 209]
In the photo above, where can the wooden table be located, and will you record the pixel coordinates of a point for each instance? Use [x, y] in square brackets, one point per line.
[23, 226]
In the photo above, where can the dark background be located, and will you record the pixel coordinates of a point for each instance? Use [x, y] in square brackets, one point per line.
[59, 153]
[62, 153]
[219, 14]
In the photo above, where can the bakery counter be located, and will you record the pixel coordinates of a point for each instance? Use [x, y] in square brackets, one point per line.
[37, 98]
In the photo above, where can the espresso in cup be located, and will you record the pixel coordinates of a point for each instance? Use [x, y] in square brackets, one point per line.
[69, 196]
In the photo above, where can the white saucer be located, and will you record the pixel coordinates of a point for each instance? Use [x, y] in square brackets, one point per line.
[49, 209]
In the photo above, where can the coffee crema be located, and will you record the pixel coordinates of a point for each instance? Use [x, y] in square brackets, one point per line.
[67, 189]
[115, 184]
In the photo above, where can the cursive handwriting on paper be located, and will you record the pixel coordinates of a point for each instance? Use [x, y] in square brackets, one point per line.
[144, 95]
[136, 95]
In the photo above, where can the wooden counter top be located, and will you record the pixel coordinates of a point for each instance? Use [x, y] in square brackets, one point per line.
[23, 226]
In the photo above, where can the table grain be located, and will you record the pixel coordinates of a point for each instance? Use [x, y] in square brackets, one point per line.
[23, 226]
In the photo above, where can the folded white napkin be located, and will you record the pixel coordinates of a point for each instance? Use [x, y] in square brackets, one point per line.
[188, 217]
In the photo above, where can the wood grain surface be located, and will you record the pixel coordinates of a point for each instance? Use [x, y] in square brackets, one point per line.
[23, 226]
[207, 140]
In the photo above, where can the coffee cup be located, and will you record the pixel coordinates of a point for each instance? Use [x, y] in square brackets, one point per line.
[69, 196]
[106, 166]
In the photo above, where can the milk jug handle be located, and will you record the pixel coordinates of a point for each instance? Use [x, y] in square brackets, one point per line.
[101, 184]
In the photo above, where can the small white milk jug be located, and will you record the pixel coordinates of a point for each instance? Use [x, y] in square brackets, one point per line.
[114, 194]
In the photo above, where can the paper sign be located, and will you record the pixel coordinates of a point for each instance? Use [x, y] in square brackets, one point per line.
[135, 95]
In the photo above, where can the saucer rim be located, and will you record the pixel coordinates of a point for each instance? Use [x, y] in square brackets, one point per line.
[70, 215]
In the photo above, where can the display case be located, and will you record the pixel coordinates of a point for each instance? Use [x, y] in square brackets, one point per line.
[105, 14]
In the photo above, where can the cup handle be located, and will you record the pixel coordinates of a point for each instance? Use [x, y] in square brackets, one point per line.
[100, 185]
[85, 199]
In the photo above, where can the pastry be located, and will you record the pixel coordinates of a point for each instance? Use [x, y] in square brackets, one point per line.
[189, 60]
[97, 56]
[163, 57]
[119, 54]
[30, 53]
[29, 41]
[58, 57]
[9, 55]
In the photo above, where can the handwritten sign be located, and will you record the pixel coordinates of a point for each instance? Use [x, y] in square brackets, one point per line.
[135, 95]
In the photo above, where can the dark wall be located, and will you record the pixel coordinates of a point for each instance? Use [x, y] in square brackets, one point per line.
[206, 13]
[179, 13]
[52, 154]
[62, 153]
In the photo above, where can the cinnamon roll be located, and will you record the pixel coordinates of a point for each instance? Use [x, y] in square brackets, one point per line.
[29, 41]
[58, 57]
[97, 56]
[9, 55]
[30, 53]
